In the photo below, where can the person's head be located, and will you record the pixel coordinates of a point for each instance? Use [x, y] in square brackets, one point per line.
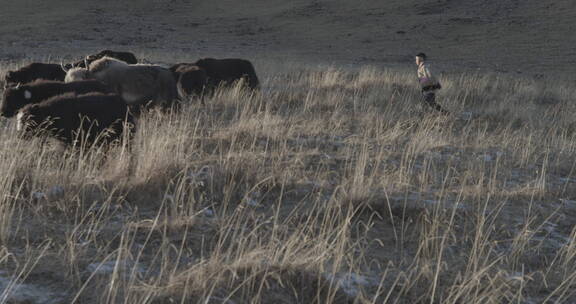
[420, 57]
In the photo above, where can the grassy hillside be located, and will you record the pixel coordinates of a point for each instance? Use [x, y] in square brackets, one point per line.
[532, 37]
[331, 186]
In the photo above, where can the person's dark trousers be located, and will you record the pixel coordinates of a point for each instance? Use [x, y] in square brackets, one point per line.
[430, 101]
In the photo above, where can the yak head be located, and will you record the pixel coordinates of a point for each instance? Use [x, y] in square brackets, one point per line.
[14, 98]
[24, 121]
[30, 121]
[11, 79]
[83, 63]
[76, 74]
[91, 58]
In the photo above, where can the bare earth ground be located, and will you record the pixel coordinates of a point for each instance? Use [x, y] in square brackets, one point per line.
[531, 37]
[329, 186]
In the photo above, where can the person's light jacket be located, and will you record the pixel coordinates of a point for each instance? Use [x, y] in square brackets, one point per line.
[427, 81]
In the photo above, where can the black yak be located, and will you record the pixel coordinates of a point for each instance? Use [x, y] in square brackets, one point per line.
[77, 120]
[191, 80]
[19, 96]
[32, 72]
[227, 71]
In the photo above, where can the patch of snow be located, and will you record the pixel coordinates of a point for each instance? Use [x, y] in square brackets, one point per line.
[55, 191]
[466, 115]
[252, 202]
[169, 197]
[550, 227]
[27, 293]
[253, 199]
[205, 172]
[38, 195]
[209, 212]
[199, 177]
[109, 266]
[351, 282]
[553, 239]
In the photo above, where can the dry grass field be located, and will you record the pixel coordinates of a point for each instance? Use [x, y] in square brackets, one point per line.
[328, 186]
[331, 185]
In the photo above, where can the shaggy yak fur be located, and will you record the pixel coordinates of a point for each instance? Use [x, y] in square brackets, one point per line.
[19, 96]
[137, 84]
[77, 120]
[191, 80]
[227, 71]
[122, 56]
[33, 72]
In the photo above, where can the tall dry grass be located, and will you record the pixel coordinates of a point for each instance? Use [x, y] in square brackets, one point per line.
[329, 186]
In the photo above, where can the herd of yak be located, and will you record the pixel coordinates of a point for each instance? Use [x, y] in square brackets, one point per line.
[99, 97]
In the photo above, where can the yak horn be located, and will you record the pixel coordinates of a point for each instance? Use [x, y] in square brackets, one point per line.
[63, 67]
[18, 86]
[86, 63]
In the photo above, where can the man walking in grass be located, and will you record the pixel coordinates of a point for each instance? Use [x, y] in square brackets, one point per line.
[428, 83]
